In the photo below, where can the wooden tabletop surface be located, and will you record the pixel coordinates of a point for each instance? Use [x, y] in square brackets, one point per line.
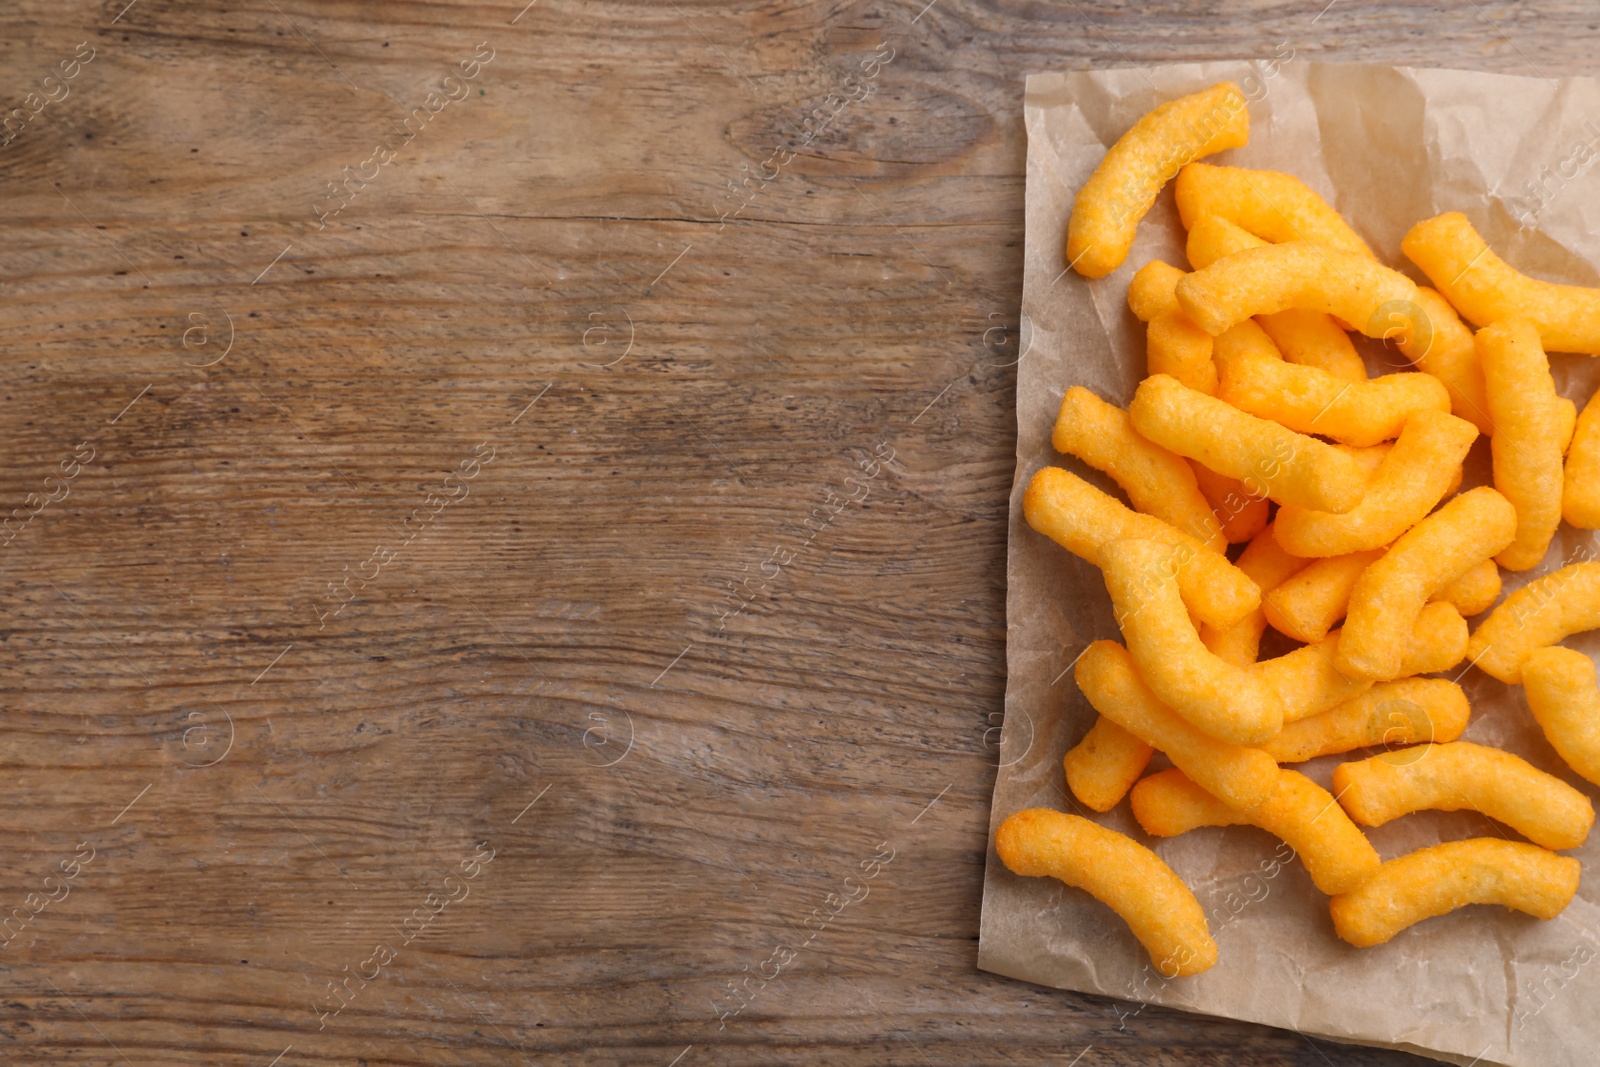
[527, 585]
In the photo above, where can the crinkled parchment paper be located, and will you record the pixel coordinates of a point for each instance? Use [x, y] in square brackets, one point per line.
[1388, 147]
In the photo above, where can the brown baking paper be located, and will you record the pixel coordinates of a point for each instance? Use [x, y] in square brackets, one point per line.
[1388, 147]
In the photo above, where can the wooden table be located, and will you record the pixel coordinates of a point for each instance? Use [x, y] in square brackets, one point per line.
[535, 594]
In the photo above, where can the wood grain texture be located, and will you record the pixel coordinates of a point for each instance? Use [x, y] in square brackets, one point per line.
[674, 396]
